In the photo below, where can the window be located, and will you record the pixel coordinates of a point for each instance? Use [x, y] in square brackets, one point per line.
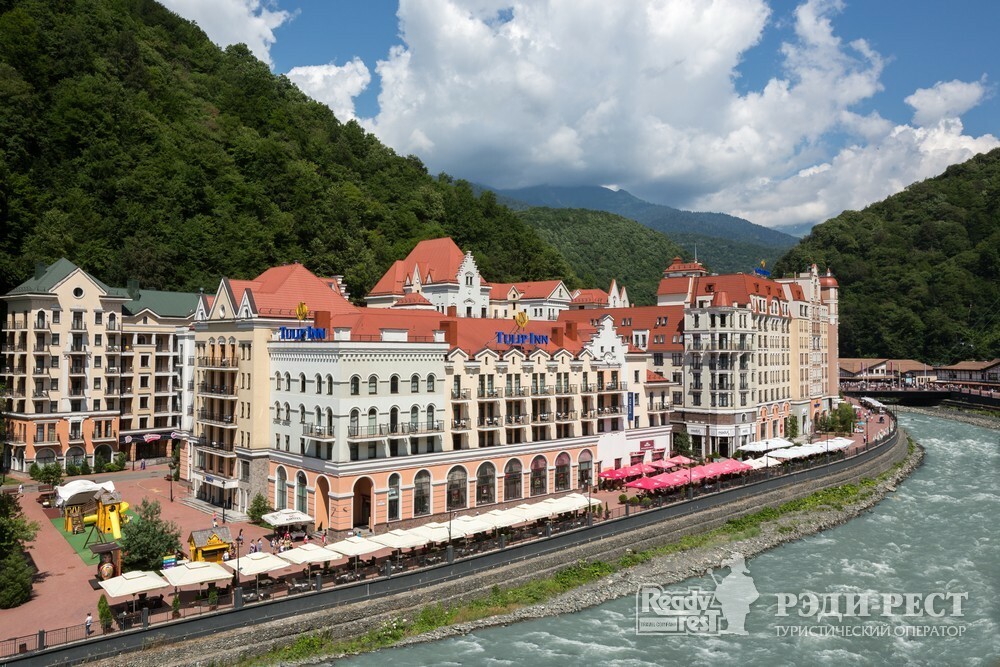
[657, 358]
[373, 385]
[585, 468]
[512, 486]
[458, 485]
[430, 383]
[98, 317]
[277, 381]
[394, 384]
[281, 490]
[144, 361]
[302, 383]
[539, 476]
[329, 385]
[394, 497]
[55, 317]
[319, 384]
[98, 340]
[486, 482]
[422, 493]
[300, 493]
[415, 384]
[355, 385]
[562, 472]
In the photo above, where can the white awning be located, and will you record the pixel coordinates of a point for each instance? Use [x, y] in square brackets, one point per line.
[400, 539]
[256, 563]
[766, 445]
[763, 462]
[432, 532]
[502, 518]
[196, 572]
[355, 546]
[465, 525]
[133, 583]
[309, 553]
[80, 486]
[287, 517]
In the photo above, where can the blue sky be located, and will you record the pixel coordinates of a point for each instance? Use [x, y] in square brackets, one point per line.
[782, 112]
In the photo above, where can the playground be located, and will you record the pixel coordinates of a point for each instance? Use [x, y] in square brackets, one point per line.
[88, 514]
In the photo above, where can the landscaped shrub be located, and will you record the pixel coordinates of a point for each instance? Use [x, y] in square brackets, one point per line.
[34, 471]
[85, 467]
[72, 470]
[99, 464]
[623, 498]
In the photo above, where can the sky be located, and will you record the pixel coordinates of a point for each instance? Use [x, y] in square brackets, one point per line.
[781, 112]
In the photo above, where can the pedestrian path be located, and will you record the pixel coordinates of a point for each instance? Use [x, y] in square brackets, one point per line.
[232, 516]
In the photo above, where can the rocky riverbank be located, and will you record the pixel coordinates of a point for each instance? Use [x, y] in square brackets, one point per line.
[679, 566]
[975, 419]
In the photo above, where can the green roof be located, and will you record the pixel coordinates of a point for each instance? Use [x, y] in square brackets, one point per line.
[164, 304]
[54, 274]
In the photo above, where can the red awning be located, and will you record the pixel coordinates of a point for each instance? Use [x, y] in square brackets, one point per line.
[680, 460]
[663, 465]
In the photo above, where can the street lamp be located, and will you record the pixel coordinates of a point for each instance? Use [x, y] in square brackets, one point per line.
[239, 543]
[170, 469]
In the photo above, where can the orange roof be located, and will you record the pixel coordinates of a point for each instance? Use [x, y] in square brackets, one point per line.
[970, 365]
[538, 289]
[662, 323]
[280, 289]
[593, 295]
[413, 299]
[680, 266]
[435, 260]
[653, 376]
[728, 289]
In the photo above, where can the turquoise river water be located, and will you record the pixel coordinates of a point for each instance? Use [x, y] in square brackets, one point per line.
[938, 533]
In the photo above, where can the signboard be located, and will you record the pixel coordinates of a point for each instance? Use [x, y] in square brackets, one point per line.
[631, 406]
[301, 333]
[521, 339]
[520, 319]
[302, 311]
[645, 444]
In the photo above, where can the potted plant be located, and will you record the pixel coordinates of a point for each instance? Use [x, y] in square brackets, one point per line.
[176, 606]
[623, 498]
[213, 598]
[104, 614]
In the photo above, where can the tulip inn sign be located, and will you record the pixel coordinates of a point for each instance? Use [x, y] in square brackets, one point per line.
[521, 339]
[301, 333]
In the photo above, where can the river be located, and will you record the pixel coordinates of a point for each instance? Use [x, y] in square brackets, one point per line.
[936, 534]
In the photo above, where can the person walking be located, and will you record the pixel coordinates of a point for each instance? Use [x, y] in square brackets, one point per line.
[215, 519]
[20, 489]
[88, 623]
[260, 545]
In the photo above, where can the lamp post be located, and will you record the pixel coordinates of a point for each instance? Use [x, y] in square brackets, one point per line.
[170, 470]
[236, 574]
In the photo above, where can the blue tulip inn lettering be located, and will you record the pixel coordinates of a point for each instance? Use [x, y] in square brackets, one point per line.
[521, 339]
[301, 333]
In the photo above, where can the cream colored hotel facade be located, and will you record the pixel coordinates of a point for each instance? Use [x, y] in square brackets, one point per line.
[421, 403]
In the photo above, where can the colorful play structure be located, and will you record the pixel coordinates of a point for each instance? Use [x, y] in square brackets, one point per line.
[105, 509]
[210, 544]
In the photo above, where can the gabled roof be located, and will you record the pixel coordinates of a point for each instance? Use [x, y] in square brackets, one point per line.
[434, 260]
[164, 304]
[278, 291]
[54, 274]
[593, 295]
[538, 289]
[653, 376]
[969, 365]
[413, 299]
[662, 322]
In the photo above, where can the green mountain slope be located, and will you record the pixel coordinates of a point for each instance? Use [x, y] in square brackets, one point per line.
[920, 271]
[723, 242]
[601, 246]
[133, 146]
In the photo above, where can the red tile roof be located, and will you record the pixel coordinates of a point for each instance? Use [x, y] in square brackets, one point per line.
[734, 288]
[653, 376]
[436, 261]
[593, 295]
[665, 321]
[278, 291]
[413, 299]
[539, 289]
[678, 265]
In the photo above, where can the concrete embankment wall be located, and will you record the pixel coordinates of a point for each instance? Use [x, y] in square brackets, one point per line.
[162, 647]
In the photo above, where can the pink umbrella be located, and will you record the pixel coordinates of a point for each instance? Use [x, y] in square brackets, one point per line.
[646, 484]
[616, 473]
[662, 465]
[680, 460]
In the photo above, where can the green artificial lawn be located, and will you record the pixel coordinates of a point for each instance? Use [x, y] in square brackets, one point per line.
[79, 540]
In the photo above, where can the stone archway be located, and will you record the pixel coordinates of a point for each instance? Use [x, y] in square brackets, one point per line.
[363, 503]
[322, 503]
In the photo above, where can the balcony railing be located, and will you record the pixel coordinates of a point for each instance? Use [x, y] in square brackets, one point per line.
[217, 363]
[543, 391]
[415, 428]
[77, 349]
[367, 431]
[610, 410]
[39, 370]
[77, 370]
[40, 393]
[517, 392]
[460, 424]
[489, 422]
[77, 392]
[543, 418]
[659, 407]
[489, 394]
[77, 325]
[566, 416]
[227, 391]
[565, 389]
[588, 388]
[461, 394]
[614, 386]
[513, 421]
[318, 432]
[218, 418]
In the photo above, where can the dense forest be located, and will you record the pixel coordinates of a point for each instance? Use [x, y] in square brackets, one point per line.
[724, 243]
[133, 146]
[600, 246]
[920, 271]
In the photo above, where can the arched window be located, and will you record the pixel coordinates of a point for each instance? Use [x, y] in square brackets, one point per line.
[431, 414]
[414, 417]
[458, 486]
[302, 414]
[355, 418]
[372, 421]
[288, 382]
[281, 490]
[512, 485]
[373, 384]
[539, 476]
[277, 381]
[394, 384]
[319, 384]
[415, 384]
[394, 497]
[430, 383]
[486, 484]
[585, 468]
[302, 383]
[277, 412]
[329, 385]
[329, 421]
[355, 385]
[394, 420]
[300, 493]
[422, 493]
[562, 472]
[288, 413]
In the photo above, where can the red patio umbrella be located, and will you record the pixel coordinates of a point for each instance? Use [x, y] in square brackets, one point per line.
[680, 460]
[662, 465]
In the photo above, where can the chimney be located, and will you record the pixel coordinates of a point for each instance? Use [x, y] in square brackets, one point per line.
[133, 288]
[450, 329]
[557, 336]
[573, 330]
[39, 270]
[452, 311]
[322, 320]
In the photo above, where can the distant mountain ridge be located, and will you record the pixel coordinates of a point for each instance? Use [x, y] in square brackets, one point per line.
[723, 242]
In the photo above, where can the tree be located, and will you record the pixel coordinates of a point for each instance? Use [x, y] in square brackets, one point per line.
[15, 529]
[51, 473]
[15, 580]
[104, 613]
[85, 467]
[682, 444]
[791, 427]
[258, 508]
[147, 538]
[34, 470]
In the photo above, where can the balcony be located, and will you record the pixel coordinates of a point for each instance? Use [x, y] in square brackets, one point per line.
[78, 349]
[217, 390]
[659, 407]
[588, 388]
[41, 325]
[39, 370]
[77, 370]
[696, 386]
[40, 348]
[367, 432]
[77, 392]
[419, 428]
[566, 416]
[216, 447]
[218, 363]
[40, 393]
[543, 391]
[460, 424]
[489, 394]
[614, 387]
[543, 418]
[112, 326]
[320, 433]
[77, 325]
[76, 436]
[489, 423]
[461, 394]
[112, 349]
[610, 411]
[517, 392]
[216, 419]
[565, 389]
[515, 421]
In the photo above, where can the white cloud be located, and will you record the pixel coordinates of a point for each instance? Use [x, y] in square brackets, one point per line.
[226, 22]
[334, 86]
[946, 99]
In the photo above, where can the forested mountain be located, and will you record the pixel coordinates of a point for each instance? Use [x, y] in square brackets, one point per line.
[600, 246]
[133, 146]
[919, 272]
[723, 242]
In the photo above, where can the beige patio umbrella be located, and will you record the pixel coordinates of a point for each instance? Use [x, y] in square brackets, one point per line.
[133, 583]
[256, 564]
[309, 553]
[195, 572]
[400, 539]
[355, 547]
[433, 532]
[465, 525]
